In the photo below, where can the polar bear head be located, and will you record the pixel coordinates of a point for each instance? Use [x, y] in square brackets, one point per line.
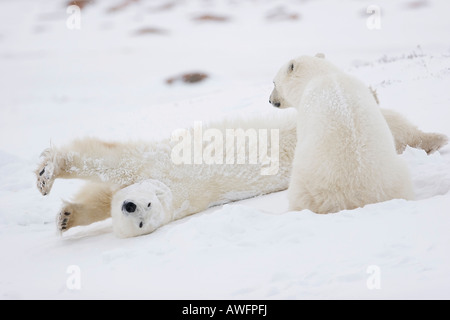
[141, 208]
[292, 79]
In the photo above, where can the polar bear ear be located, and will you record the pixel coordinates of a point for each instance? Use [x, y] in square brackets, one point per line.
[163, 193]
[160, 188]
[291, 66]
[320, 55]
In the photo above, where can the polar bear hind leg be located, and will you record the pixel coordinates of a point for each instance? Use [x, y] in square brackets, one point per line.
[407, 134]
[91, 204]
[300, 196]
[431, 142]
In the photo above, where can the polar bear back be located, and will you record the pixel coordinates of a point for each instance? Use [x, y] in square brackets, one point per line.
[345, 156]
[338, 113]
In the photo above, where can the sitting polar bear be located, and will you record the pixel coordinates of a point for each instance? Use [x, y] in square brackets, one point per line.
[345, 155]
[142, 188]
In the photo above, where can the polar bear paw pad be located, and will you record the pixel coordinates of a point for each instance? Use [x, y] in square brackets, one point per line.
[64, 220]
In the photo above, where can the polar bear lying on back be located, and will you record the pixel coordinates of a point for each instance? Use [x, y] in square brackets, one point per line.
[345, 155]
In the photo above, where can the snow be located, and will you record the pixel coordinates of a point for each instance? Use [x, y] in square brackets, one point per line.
[107, 81]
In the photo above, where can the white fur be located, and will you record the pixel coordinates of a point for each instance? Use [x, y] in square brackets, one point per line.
[345, 155]
[175, 191]
[144, 172]
[154, 208]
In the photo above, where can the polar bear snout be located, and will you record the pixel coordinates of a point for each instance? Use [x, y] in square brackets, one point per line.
[128, 207]
[276, 104]
[273, 100]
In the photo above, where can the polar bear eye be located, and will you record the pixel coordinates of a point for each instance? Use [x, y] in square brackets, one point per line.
[149, 205]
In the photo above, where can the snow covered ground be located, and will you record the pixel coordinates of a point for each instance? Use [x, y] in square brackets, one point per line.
[107, 80]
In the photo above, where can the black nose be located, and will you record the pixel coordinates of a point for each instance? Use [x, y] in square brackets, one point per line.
[277, 104]
[270, 101]
[129, 207]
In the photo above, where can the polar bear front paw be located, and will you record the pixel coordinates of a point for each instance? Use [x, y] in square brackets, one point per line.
[46, 172]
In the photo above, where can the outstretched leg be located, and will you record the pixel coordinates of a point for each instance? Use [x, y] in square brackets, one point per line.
[91, 204]
[89, 159]
[406, 134]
